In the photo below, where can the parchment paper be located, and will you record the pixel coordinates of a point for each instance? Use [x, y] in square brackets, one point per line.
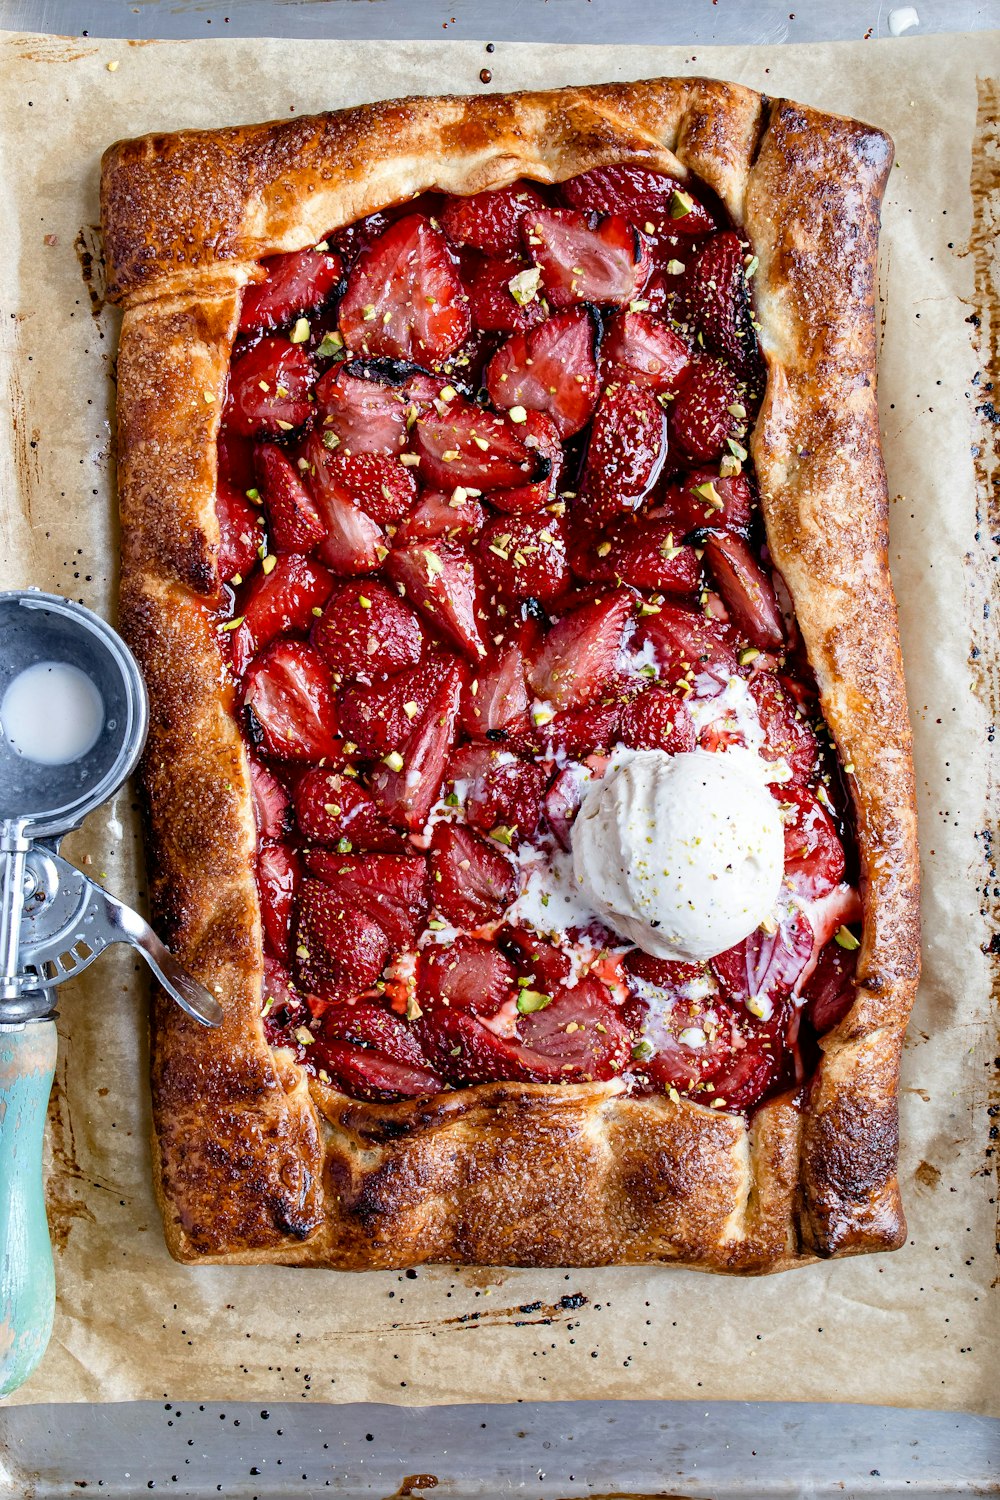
[915, 1328]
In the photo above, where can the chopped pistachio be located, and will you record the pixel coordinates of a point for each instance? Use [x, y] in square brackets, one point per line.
[518, 414]
[525, 286]
[709, 494]
[269, 563]
[502, 834]
[675, 268]
[681, 204]
[746, 655]
[528, 1001]
[300, 331]
[846, 939]
[393, 760]
[331, 345]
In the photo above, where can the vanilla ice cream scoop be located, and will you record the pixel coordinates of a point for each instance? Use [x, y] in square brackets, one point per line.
[680, 854]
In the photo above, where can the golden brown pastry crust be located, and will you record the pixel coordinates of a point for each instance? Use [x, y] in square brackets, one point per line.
[255, 1161]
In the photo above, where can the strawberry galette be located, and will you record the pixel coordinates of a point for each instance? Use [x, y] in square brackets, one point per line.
[504, 544]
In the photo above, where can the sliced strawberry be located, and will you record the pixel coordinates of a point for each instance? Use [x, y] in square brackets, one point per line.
[375, 482]
[295, 523]
[269, 388]
[628, 444]
[492, 303]
[278, 874]
[551, 368]
[337, 947]
[404, 299]
[577, 659]
[746, 589]
[700, 498]
[787, 733]
[284, 599]
[650, 555]
[525, 556]
[239, 532]
[495, 701]
[439, 578]
[546, 966]
[468, 974]
[366, 630]
[360, 415]
[336, 810]
[657, 204]
[640, 347]
[700, 417]
[354, 541]
[272, 805]
[366, 1023]
[464, 1051]
[391, 888]
[380, 718]
[507, 802]
[296, 283]
[563, 801]
[580, 732]
[688, 649]
[406, 794]
[455, 516]
[814, 855]
[235, 455]
[765, 965]
[471, 881]
[491, 221]
[830, 991]
[607, 263]
[473, 448]
[581, 1034]
[364, 1073]
[657, 720]
[542, 434]
[718, 301]
[666, 973]
[289, 702]
[284, 1006]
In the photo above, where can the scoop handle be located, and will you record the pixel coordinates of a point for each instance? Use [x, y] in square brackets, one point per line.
[27, 1277]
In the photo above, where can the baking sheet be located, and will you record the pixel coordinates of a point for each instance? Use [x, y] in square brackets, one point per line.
[915, 1328]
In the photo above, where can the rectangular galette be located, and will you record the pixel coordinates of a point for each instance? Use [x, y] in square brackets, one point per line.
[504, 543]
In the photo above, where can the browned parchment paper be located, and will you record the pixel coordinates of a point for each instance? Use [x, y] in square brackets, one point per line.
[915, 1328]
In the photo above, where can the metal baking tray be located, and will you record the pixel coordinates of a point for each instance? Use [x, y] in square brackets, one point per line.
[549, 1450]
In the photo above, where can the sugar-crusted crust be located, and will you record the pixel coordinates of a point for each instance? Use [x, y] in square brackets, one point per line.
[257, 1162]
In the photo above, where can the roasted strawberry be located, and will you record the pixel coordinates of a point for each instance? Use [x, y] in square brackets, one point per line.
[366, 1023]
[563, 801]
[296, 283]
[391, 888]
[495, 700]
[471, 881]
[640, 347]
[657, 204]
[455, 516]
[578, 732]
[364, 1073]
[491, 221]
[269, 389]
[667, 974]
[380, 718]
[546, 966]
[278, 874]
[272, 806]
[829, 992]
[700, 498]
[579, 1034]
[492, 300]
[607, 263]
[404, 299]
[701, 417]
[765, 966]
[469, 447]
[746, 589]
[689, 649]
[240, 532]
[525, 556]
[507, 801]
[657, 720]
[284, 1005]
[294, 522]
[407, 786]
[283, 599]
[542, 434]
[337, 948]
[551, 368]
[628, 444]
[358, 415]
[468, 974]
[289, 703]
[336, 810]
[577, 658]
[354, 543]
[651, 555]
[366, 630]
[235, 455]
[814, 855]
[375, 482]
[465, 1051]
[718, 301]
[439, 578]
[788, 735]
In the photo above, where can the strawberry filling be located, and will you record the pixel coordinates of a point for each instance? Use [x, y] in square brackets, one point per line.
[487, 522]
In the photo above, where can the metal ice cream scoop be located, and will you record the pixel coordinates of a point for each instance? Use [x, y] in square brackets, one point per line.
[73, 719]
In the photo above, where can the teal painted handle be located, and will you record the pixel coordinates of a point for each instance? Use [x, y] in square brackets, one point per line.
[27, 1279]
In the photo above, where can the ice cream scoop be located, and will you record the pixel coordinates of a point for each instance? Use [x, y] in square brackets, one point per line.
[680, 854]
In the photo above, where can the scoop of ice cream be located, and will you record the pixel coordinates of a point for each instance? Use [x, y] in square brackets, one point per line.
[680, 854]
